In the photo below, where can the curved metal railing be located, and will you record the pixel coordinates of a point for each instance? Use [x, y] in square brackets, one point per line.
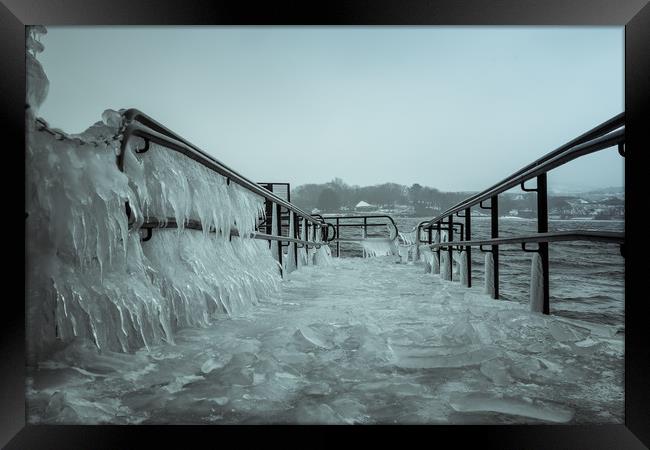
[606, 135]
[138, 124]
[364, 225]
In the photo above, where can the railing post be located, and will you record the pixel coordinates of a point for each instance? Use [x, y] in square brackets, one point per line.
[429, 236]
[438, 228]
[269, 213]
[365, 227]
[494, 210]
[296, 226]
[450, 249]
[338, 236]
[278, 218]
[542, 227]
[468, 249]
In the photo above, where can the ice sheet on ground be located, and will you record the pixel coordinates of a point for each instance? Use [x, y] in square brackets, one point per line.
[346, 343]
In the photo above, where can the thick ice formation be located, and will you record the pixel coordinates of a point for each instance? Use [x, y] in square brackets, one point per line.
[37, 82]
[90, 276]
[536, 284]
[291, 256]
[462, 268]
[380, 247]
[489, 274]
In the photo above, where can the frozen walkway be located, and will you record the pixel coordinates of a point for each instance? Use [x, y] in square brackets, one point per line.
[358, 341]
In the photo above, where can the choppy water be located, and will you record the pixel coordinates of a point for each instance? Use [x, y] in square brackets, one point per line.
[357, 341]
[586, 278]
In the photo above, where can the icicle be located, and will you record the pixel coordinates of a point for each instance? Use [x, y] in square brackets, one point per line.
[290, 264]
[446, 262]
[435, 264]
[378, 247]
[489, 274]
[446, 266]
[536, 284]
[274, 232]
[463, 268]
[426, 256]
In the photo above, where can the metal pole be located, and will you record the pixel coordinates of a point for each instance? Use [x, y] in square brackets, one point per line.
[338, 236]
[296, 226]
[278, 219]
[269, 212]
[468, 249]
[494, 210]
[450, 249]
[365, 227]
[542, 227]
[430, 235]
[438, 228]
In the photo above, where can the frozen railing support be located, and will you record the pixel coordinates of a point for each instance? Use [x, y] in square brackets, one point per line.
[364, 223]
[290, 264]
[536, 284]
[435, 267]
[464, 280]
[610, 133]
[489, 274]
[138, 124]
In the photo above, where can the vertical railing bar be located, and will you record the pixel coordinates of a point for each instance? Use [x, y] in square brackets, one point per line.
[542, 227]
[338, 236]
[468, 249]
[438, 228]
[450, 249]
[296, 235]
[269, 213]
[278, 218]
[494, 210]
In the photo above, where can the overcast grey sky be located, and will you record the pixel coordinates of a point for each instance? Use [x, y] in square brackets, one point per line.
[457, 108]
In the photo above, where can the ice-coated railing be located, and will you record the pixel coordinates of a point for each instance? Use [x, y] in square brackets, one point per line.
[139, 125]
[377, 245]
[98, 271]
[610, 133]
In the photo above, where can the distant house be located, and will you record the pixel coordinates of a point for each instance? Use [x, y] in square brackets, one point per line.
[364, 206]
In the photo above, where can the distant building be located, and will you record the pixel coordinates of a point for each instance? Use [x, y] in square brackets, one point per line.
[364, 206]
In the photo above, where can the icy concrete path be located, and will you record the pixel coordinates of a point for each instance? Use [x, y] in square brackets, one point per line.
[360, 341]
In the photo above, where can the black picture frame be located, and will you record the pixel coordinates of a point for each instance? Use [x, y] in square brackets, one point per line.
[633, 14]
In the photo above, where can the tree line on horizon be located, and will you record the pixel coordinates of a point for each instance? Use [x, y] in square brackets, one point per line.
[336, 194]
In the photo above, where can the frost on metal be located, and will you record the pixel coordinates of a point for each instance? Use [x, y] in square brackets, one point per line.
[489, 274]
[536, 284]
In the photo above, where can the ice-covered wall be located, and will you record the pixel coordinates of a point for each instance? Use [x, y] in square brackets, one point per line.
[90, 276]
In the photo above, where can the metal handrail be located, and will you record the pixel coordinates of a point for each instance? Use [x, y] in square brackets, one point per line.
[605, 135]
[365, 217]
[338, 239]
[141, 125]
[151, 223]
[598, 138]
[573, 235]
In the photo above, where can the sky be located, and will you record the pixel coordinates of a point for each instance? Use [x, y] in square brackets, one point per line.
[456, 108]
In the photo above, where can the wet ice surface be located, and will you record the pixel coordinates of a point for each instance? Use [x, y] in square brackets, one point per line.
[357, 341]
